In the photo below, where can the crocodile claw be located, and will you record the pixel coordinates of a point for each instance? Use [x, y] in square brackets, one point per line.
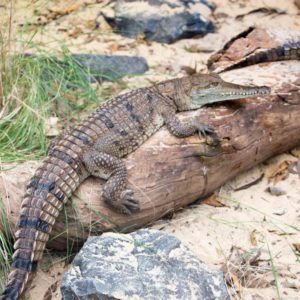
[127, 202]
[205, 130]
[124, 203]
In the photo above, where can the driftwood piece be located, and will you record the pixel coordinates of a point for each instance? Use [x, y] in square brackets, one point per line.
[167, 173]
[253, 46]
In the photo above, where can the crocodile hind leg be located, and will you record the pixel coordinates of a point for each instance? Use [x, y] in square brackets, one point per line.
[109, 167]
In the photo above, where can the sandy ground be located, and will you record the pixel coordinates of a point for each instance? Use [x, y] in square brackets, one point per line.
[250, 233]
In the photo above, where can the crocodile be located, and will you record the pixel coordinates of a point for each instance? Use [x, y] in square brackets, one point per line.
[96, 147]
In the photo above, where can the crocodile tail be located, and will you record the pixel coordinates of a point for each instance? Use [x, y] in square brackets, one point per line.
[51, 186]
[17, 279]
[288, 51]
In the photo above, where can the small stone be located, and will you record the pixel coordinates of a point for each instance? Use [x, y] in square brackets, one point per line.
[276, 191]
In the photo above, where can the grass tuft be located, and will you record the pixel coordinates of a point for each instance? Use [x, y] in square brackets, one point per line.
[34, 88]
[6, 247]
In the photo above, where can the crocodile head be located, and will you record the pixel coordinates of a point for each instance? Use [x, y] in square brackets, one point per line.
[201, 89]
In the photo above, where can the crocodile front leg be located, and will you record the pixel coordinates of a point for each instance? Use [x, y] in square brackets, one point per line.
[184, 129]
[109, 167]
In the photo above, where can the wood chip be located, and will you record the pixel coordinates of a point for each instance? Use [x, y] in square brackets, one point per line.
[214, 201]
[297, 247]
[233, 280]
[253, 239]
[75, 32]
[281, 172]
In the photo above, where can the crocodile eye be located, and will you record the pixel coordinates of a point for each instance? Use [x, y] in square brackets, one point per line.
[212, 84]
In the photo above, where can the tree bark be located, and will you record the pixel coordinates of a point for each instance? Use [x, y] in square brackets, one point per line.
[167, 173]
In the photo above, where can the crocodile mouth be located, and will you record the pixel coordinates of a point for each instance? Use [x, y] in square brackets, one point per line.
[201, 98]
[264, 90]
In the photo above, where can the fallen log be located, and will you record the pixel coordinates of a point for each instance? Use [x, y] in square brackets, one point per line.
[167, 173]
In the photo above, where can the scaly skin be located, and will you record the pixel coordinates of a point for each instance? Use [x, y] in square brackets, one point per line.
[95, 147]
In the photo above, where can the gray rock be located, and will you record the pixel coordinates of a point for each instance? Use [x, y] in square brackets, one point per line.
[177, 3]
[163, 21]
[209, 4]
[111, 67]
[146, 264]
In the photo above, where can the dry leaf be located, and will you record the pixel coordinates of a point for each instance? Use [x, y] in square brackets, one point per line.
[91, 24]
[197, 49]
[41, 20]
[113, 47]
[56, 11]
[233, 280]
[49, 293]
[253, 239]
[281, 172]
[188, 70]
[258, 282]
[281, 233]
[141, 39]
[75, 32]
[297, 247]
[265, 10]
[248, 268]
[89, 38]
[296, 152]
[65, 10]
[213, 201]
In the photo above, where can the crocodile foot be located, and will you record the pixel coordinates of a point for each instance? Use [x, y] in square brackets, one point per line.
[126, 203]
